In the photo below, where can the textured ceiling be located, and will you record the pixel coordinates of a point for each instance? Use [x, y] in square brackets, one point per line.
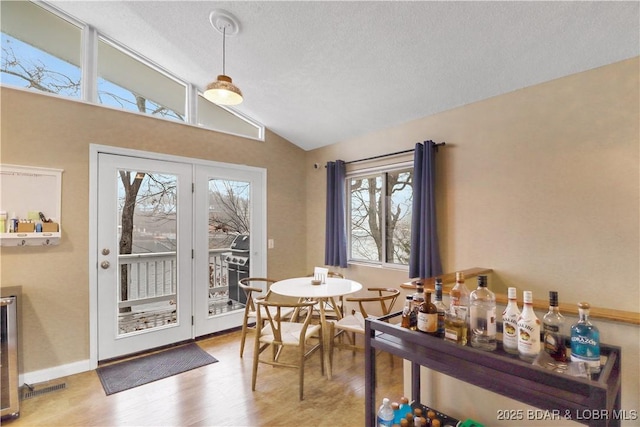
[318, 73]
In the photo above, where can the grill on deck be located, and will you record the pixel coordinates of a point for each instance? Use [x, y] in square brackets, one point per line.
[238, 262]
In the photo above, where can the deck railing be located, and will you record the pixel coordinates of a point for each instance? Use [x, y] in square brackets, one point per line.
[152, 277]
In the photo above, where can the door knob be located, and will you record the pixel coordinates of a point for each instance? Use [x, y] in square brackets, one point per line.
[106, 251]
[105, 264]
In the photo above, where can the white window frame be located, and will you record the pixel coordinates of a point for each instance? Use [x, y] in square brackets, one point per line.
[379, 171]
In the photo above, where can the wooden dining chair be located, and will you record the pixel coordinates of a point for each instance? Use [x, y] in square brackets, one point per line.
[255, 288]
[353, 324]
[279, 333]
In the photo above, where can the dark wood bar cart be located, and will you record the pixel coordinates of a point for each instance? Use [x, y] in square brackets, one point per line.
[595, 402]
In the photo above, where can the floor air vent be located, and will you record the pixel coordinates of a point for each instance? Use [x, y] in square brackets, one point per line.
[30, 391]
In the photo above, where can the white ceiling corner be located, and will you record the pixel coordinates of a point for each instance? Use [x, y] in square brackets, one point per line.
[321, 72]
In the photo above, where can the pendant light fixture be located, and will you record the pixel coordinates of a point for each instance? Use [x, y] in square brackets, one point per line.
[222, 91]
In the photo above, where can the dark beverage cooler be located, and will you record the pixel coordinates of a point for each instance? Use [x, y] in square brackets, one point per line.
[9, 357]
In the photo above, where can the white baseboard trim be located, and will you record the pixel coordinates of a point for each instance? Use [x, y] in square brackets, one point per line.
[49, 374]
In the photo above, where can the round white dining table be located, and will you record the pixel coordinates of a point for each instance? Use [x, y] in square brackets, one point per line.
[301, 287]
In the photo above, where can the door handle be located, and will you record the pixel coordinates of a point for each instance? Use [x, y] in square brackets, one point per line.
[106, 251]
[105, 264]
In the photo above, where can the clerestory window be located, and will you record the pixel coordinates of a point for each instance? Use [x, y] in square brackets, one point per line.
[43, 50]
[40, 51]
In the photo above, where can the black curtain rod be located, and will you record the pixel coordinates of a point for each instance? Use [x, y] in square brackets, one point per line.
[435, 144]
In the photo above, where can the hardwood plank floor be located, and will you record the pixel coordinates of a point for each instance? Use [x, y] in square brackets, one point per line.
[219, 394]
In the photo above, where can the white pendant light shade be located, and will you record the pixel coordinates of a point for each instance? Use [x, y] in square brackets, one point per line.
[223, 91]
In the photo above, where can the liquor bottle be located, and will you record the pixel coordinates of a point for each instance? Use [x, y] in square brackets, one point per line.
[406, 312]
[528, 330]
[552, 325]
[460, 294]
[385, 414]
[428, 315]
[442, 309]
[418, 299]
[585, 340]
[455, 325]
[483, 316]
[510, 323]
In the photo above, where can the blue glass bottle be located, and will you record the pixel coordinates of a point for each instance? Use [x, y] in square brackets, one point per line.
[585, 340]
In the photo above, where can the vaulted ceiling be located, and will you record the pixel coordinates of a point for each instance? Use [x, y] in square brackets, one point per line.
[320, 72]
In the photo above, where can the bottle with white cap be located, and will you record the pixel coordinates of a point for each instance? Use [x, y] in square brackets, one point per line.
[385, 414]
[528, 330]
[510, 323]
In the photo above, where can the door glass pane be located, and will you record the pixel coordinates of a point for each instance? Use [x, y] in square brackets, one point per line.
[147, 235]
[229, 238]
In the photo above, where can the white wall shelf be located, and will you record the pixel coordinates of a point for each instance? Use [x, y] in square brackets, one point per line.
[27, 189]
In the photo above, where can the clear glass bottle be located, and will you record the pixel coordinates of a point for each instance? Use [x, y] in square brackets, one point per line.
[585, 340]
[442, 309]
[459, 297]
[385, 414]
[552, 327]
[406, 312]
[482, 310]
[510, 323]
[428, 315]
[528, 330]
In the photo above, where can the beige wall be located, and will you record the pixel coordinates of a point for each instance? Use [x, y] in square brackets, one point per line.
[46, 131]
[542, 185]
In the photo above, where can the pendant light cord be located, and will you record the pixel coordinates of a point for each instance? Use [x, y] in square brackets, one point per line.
[224, 36]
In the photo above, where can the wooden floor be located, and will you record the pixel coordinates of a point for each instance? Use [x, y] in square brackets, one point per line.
[219, 394]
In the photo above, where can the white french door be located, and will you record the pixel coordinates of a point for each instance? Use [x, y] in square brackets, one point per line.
[164, 227]
[144, 254]
[230, 207]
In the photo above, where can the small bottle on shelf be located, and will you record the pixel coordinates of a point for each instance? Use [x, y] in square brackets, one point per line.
[442, 309]
[552, 325]
[396, 413]
[528, 330]
[385, 414]
[460, 293]
[406, 312]
[405, 407]
[510, 323]
[418, 299]
[483, 316]
[585, 340]
[459, 297]
[428, 315]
